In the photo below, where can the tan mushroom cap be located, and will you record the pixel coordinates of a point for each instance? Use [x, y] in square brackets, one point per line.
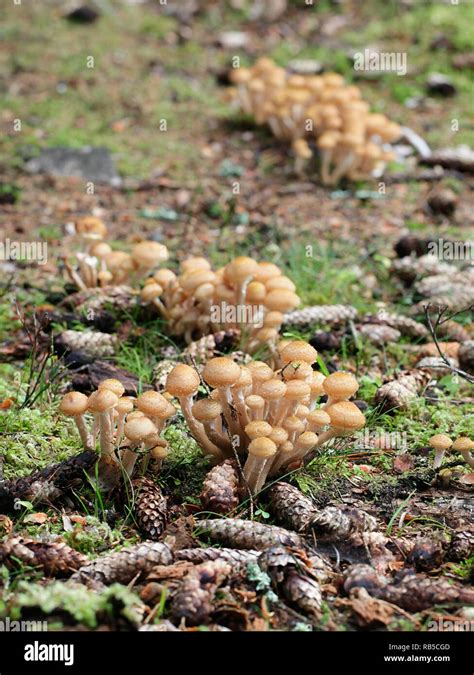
[280, 283]
[463, 444]
[318, 418]
[258, 428]
[152, 403]
[308, 440]
[262, 448]
[297, 390]
[135, 415]
[125, 405]
[148, 254]
[90, 225]
[292, 424]
[255, 402]
[151, 291]
[273, 389]
[316, 383]
[240, 269]
[164, 277]
[245, 378]
[195, 263]
[273, 319]
[340, 385]
[139, 428]
[113, 385]
[297, 370]
[74, 403]
[298, 350]
[182, 381]
[100, 250]
[160, 451]
[206, 410]
[256, 292]
[278, 435]
[221, 372]
[440, 442]
[102, 400]
[281, 300]
[346, 415]
[265, 271]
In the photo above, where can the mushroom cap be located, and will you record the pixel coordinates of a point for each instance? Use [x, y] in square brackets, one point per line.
[139, 428]
[113, 385]
[101, 400]
[279, 283]
[258, 428]
[298, 350]
[266, 335]
[119, 261]
[265, 271]
[135, 414]
[182, 381]
[245, 378]
[195, 263]
[100, 250]
[151, 291]
[164, 277]
[125, 405]
[316, 383]
[196, 277]
[254, 402]
[278, 435]
[206, 410]
[74, 403]
[340, 385]
[221, 372]
[297, 390]
[153, 404]
[293, 424]
[273, 389]
[90, 225]
[318, 418]
[256, 292]
[463, 444]
[346, 415]
[273, 319]
[160, 451]
[307, 439]
[148, 254]
[286, 448]
[302, 412]
[297, 370]
[440, 442]
[281, 300]
[262, 373]
[262, 447]
[240, 269]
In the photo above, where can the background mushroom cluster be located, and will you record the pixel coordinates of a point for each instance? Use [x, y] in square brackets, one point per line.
[245, 294]
[270, 417]
[96, 264]
[316, 112]
[125, 428]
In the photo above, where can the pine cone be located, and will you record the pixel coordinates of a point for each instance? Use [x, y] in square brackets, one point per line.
[363, 576]
[229, 555]
[92, 344]
[220, 490]
[466, 356]
[417, 593]
[247, 534]
[210, 346]
[160, 373]
[452, 331]
[331, 314]
[291, 507]
[292, 577]
[55, 559]
[123, 566]
[400, 392]
[335, 524]
[379, 335]
[193, 600]
[48, 484]
[407, 326]
[98, 299]
[151, 508]
[408, 269]
[462, 545]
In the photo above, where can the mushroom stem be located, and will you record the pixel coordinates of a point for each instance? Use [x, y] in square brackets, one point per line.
[86, 438]
[438, 458]
[467, 456]
[197, 430]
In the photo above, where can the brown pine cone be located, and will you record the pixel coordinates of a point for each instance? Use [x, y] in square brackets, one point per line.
[160, 373]
[399, 393]
[151, 510]
[379, 334]
[209, 346]
[407, 326]
[123, 566]
[48, 484]
[293, 578]
[363, 576]
[96, 300]
[193, 600]
[335, 524]
[290, 506]
[228, 555]
[452, 331]
[92, 344]
[220, 490]
[247, 534]
[408, 269]
[419, 592]
[320, 314]
[55, 559]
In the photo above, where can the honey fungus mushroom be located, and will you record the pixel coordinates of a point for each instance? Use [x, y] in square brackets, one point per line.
[317, 116]
[440, 443]
[269, 416]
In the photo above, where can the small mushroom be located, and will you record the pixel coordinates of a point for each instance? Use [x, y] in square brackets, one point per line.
[261, 454]
[74, 404]
[440, 443]
[464, 446]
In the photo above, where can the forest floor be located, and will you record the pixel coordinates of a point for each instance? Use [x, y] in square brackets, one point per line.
[149, 65]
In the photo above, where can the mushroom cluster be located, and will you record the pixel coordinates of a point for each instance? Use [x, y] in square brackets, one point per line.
[270, 417]
[245, 294]
[442, 443]
[97, 264]
[317, 112]
[124, 427]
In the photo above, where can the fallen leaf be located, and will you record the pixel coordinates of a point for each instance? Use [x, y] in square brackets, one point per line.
[467, 479]
[403, 463]
[6, 404]
[37, 518]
